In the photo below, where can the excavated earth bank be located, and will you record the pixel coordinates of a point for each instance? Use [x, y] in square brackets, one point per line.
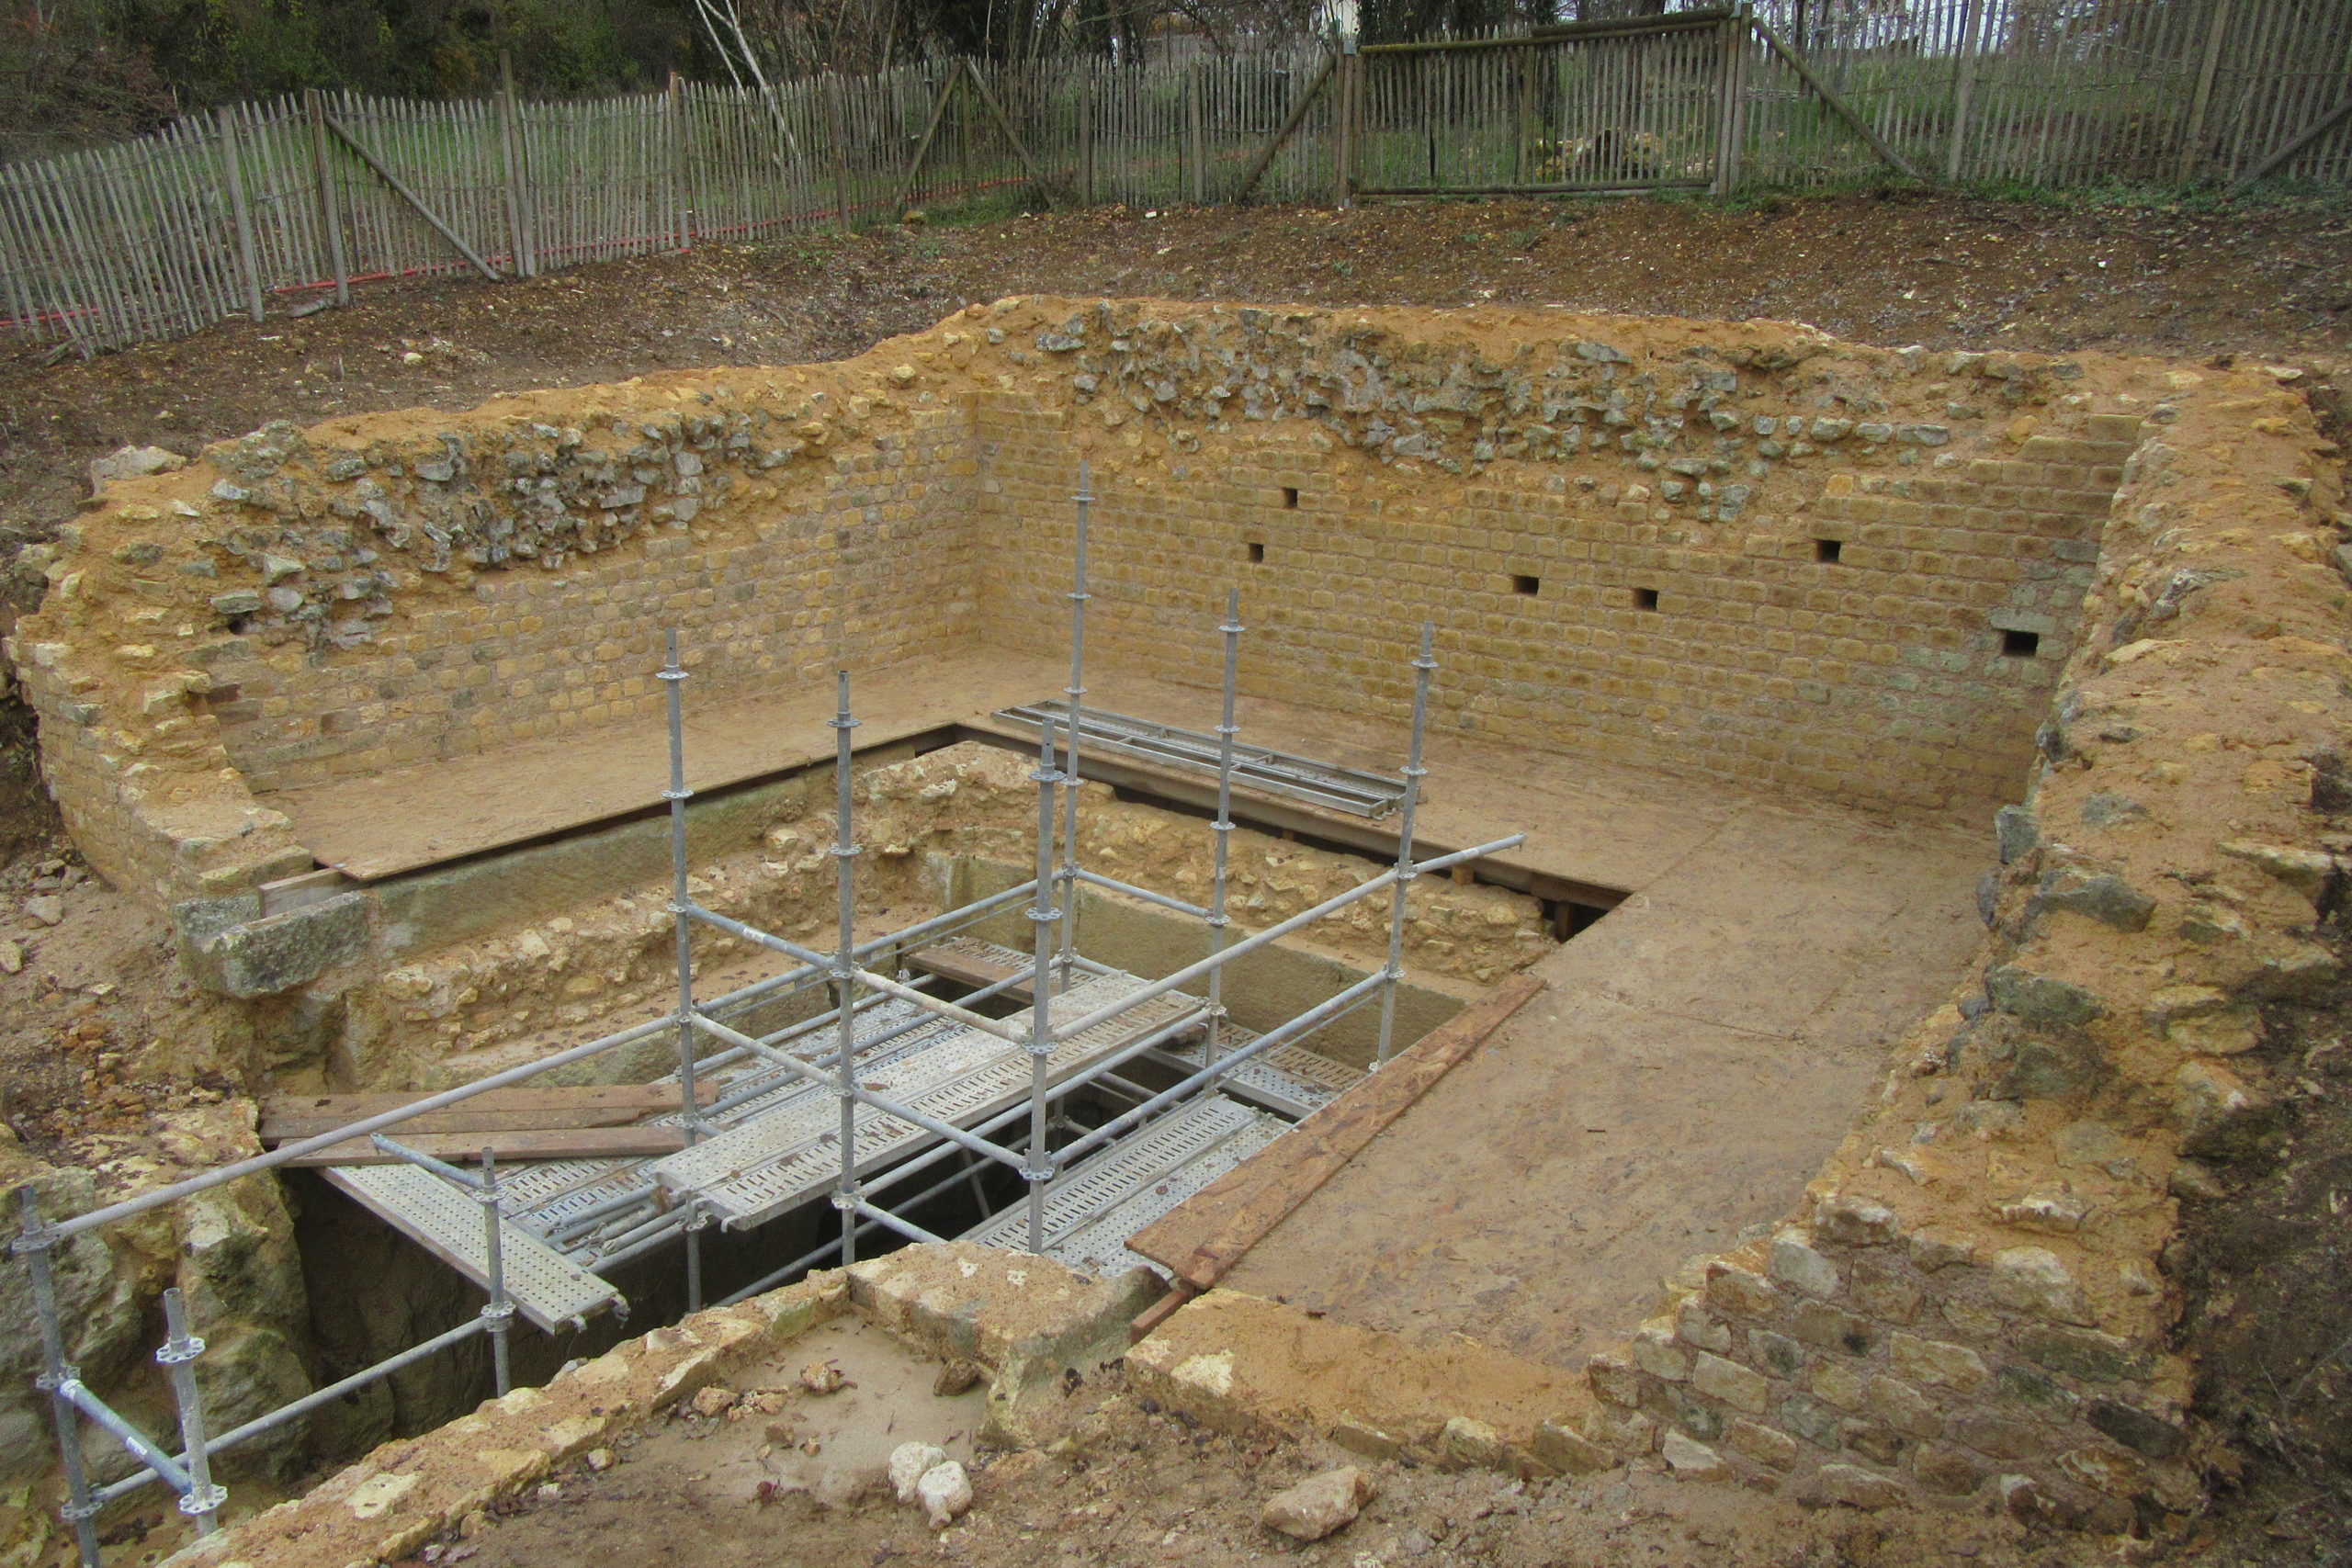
[2099, 595]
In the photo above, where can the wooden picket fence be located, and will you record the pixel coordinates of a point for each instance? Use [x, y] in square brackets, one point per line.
[283, 206]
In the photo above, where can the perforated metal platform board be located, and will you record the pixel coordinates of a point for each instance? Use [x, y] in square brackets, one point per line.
[547, 1288]
[1289, 1080]
[960, 1075]
[1093, 1208]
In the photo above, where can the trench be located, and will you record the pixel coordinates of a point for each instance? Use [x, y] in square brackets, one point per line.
[373, 1291]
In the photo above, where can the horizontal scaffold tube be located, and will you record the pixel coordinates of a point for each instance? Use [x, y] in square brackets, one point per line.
[867, 977]
[1096, 879]
[313, 1399]
[1273, 933]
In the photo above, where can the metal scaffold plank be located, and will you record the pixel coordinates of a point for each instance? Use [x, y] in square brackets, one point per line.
[549, 1289]
[1095, 1207]
[963, 1076]
[1254, 767]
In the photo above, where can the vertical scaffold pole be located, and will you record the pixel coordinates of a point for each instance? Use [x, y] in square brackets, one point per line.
[1422, 666]
[498, 1312]
[178, 1357]
[1038, 1166]
[1222, 828]
[1076, 691]
[673, 677]
[56, 1372]
[845, 975]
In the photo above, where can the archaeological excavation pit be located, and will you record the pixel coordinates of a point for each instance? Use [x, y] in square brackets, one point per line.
[1686, 1081]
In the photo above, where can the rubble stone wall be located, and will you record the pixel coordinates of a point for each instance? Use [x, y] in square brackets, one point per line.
[1973, 1308]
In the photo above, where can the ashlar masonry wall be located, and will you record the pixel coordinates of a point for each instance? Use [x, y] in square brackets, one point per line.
[1763, 556]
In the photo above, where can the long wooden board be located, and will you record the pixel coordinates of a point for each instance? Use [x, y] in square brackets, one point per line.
[1206, 1236]
[465, 1148]
[289, 1118]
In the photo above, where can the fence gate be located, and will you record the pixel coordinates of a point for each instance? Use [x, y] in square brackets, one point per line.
[1640, 104]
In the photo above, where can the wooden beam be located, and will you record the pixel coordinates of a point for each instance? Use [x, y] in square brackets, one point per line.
[1004, 123]
[1838, 105]
[1265, 158]
[2295, 144]
[1202, 1238]
[342, 134]
[947, 86]
[591, 1143]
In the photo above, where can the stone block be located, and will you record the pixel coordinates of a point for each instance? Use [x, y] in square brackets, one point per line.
[1825, 1326]
[2039, 998]
[1955, 1367]
[2033, 1280]
[1881, 1287]
[1694, 1325]
[1691, 1461]
[1905, 1408]
[277, 953]
[1840, 1385]
[1569, 1452]
[1782, 1356]
[1859, 1488]
[1735, 1385]
[1999, 1437]
[1794, 1262]
[2104, 1470]
[1762, 1444]
[2135, 1428]
[1739, 1291]
[1655, 1353]
[1614, 1379]
[1940, 1469]
[1855, 1221]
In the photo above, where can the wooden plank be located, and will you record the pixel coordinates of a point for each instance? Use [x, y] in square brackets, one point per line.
[316, 1113]
[460, 1148]
[232, 176]
[1201, 1239]
[965, 969]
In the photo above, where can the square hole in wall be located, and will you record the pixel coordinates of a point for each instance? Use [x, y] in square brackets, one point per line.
[1523, 583]
[2020, 645]
[1257, 551]
[1645, 598]
[1827, 551]
[1290, 497]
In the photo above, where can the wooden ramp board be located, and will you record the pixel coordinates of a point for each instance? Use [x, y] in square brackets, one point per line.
[1206, 1236]
[1093, 1208]
[548, 1289]
[288, 1118]
[962, 1077]
[969, 961]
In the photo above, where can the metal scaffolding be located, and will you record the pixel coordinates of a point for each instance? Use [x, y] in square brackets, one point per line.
[770, 1122]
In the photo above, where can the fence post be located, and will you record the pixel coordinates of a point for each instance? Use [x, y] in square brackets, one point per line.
[2192, 147]
[1195, 170]
[1727, 35]
[232, 174]
[674, 109]
[518, 179]
[330, 210]
[1086, 135]
[1343, 125]
[1963, 86]
[834, 134]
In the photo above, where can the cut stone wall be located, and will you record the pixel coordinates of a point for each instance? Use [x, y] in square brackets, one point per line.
[1620, 528]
